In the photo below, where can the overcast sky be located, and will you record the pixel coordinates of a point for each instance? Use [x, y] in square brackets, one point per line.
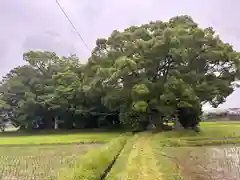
[33, 24]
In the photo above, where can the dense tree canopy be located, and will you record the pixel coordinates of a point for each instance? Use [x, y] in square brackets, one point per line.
[144, 75]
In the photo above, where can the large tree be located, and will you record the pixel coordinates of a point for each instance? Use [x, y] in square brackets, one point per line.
[52, 90]
[158, 69]
[144, 75]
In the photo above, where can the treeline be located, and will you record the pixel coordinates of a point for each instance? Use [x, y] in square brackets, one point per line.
[223, 115]
[144, 75]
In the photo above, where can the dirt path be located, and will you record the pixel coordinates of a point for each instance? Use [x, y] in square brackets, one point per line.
[141, 162]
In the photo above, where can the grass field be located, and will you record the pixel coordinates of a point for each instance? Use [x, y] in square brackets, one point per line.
[179, 155]
[42, 156]
[39, 139]
[160, 156]
[38, 162]
[145, 156]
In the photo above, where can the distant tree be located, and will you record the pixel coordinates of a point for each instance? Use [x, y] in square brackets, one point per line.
[4, 115]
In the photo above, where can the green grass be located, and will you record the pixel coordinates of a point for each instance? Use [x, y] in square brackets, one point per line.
[136, 161]
[145, 156]
[147, 159]
[209, 130]
[119, 168]
[220, 129]
[58, 138]
[212, 133]
[59, 153]
[95, 163]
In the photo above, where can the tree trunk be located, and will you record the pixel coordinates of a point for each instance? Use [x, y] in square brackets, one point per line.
[55, 123]
[178, 125]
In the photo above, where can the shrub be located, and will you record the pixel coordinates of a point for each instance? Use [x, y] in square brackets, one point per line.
[189, 117]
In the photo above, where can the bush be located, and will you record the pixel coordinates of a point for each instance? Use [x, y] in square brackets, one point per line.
[189, 117]
[95, 163]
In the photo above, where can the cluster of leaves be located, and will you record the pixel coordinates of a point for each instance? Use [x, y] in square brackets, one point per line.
[145, 74]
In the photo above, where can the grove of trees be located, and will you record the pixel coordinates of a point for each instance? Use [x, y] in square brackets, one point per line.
[144, 75]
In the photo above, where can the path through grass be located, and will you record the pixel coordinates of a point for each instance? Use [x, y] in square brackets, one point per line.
[119, 168]
[139, 164]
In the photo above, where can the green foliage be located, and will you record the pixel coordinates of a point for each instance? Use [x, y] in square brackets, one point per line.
[140, 89]
[94, 164]
[174, 64]
[133, 120]
[140, 106]
[144, 75]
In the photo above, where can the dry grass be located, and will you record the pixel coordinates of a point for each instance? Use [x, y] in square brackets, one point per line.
[204, 163]
[38, 162]
[42, 156]
[179, 158]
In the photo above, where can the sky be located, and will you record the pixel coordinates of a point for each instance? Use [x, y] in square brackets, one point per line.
[40, 25]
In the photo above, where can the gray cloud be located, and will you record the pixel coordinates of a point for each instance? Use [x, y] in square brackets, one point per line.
[32, 24]
[49, 41]
[4, 48]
